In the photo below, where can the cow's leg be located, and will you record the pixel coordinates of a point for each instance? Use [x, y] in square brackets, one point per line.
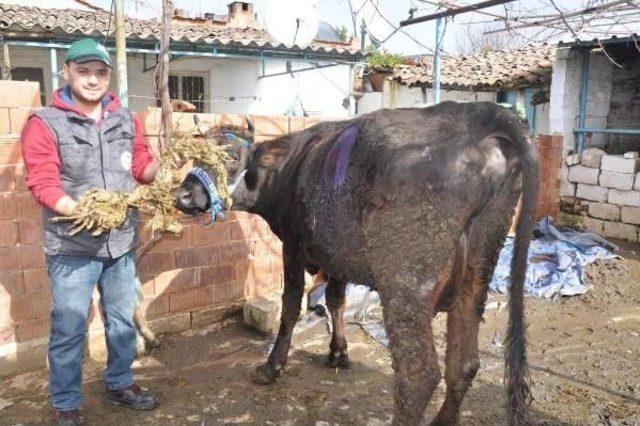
[462, 359]
[291, 303]
[414, 358]
[334, 296]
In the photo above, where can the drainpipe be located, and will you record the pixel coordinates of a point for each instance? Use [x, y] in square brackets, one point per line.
[584, 89]
[121, 54]
[54, 69]
[436, 62]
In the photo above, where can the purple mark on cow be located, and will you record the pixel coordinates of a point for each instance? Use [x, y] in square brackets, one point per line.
[337, 160]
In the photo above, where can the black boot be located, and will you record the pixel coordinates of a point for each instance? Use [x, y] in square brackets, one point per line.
[67, 418]
[134, 396]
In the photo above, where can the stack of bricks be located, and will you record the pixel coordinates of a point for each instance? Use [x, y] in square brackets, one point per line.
[603, 192]
[188, 281]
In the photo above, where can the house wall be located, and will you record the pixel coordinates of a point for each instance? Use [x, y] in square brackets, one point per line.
[624, 110]
[565, 96]
[321, 91]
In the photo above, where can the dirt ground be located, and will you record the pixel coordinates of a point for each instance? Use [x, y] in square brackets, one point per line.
[584, 358]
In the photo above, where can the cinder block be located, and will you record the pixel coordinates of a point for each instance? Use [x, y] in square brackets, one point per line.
[582, 174]
[19, 117]
[636, 186]
[631, 215]
[631, 154]
[10, 151]
[592, 157]
[567, 189]
[572, 160]
[171, 323]
[622, 231]
[623, 181]
[19, 93]
[593, 225]
[617, 163]
[592, 193]
[5, 123]
[604, 211]
[263, 313]
[624, 198]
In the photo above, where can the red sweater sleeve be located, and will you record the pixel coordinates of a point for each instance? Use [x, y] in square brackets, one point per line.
[142, 155]
[42, 162]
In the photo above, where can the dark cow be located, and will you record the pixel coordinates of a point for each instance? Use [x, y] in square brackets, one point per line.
[415, 203]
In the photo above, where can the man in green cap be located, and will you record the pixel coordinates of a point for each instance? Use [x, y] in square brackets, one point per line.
[86, 140]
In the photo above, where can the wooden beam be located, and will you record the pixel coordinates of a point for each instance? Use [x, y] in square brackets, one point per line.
[163, 77]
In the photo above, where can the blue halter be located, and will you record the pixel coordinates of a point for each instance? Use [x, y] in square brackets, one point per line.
[215, 202]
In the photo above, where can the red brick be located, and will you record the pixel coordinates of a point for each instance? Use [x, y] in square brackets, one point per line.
[217, 274]
[229, 292]
[11, 285]
[239, 215]
[175, 280]
[154, 263]
[149, 287]
[21, 184]
[7, 334]
[242, 229]
[193, 257]
[37, 305]
[273, 125]
[30, 231]
[10, 151]
[33, 329]
[18, 117]
[32, 256]
[237, 120]
[5, 123]
[8, 233]
[174, 242]
[19, 93]
[155, 307]
[218, 234]
[27, 207]
[190, 299]
[7, 178]
[296, 124]
[8, 208]
[36, 280]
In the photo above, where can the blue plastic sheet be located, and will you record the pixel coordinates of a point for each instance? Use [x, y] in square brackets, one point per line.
[557, 261]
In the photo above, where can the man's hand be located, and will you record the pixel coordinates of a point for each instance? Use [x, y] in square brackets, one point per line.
[65, 206]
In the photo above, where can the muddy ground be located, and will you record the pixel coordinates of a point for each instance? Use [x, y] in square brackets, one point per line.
[584, 358]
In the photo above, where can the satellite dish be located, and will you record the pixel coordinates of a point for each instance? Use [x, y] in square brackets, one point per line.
[370, 12]
[292, 22]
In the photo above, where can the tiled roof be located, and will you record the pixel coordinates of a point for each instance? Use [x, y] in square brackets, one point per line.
[26, 19]
[528, 66]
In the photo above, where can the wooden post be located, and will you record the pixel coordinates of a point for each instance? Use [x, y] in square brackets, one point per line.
[6, 61]
[163, 80]
[121, 54]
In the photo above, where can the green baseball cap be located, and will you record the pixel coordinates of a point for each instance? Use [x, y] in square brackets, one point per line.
[87, 50]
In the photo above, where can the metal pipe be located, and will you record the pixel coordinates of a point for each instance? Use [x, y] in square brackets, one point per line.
[582, 131]
[53, 54]
[315, 67]
[275, 55]
[121, 54]
[436, 62]
[584, 89]
[453, 12]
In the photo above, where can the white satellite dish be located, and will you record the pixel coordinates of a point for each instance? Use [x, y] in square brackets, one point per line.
[292, 21]
[370, 12]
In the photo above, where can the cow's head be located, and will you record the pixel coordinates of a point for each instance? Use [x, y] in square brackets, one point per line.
[193, 197]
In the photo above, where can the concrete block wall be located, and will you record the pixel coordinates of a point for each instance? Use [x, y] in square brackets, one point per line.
[187, 281]
[603, 193]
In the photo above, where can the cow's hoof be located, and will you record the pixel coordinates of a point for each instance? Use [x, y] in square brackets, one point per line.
[339, 360]
[266, 374]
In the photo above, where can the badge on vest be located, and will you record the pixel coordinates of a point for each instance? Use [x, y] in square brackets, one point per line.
[125, 160]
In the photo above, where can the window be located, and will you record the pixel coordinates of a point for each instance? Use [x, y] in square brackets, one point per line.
[31, 74]
[190, 88]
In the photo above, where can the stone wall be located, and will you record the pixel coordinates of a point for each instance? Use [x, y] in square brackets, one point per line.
[602, 193]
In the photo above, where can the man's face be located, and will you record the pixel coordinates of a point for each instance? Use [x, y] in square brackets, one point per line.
[89, 81]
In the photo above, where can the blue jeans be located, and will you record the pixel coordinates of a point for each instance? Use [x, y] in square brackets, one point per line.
[73, 279]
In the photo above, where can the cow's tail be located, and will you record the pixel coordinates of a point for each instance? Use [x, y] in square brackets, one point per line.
[516, 371]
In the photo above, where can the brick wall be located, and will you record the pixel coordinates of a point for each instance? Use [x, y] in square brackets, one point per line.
[190, 280]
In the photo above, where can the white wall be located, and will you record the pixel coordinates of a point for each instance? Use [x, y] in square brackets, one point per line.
[321, 92]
